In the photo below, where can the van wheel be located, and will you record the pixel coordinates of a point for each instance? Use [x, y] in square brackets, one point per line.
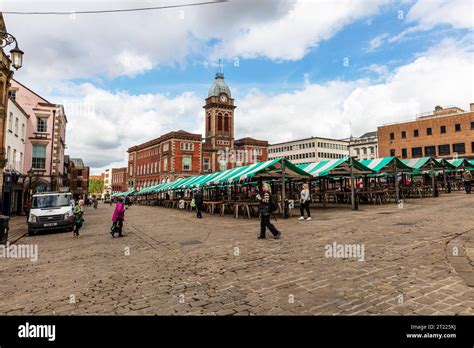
[31, 233]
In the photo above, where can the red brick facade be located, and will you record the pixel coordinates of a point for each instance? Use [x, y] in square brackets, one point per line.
[181, 154]
[119, 180]
[443, 133]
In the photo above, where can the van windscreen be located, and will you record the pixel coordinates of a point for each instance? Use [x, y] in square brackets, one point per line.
[51, 201]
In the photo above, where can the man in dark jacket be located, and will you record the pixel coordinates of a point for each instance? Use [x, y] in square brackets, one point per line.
[265, 213]
[199, 201]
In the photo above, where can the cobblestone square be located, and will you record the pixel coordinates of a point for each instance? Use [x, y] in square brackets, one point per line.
[417, 260]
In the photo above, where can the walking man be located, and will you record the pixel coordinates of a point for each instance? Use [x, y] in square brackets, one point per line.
[267, 206]
[305, 201]
[467, 176]
[199, 201]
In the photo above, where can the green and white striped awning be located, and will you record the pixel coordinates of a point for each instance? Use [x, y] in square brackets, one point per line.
[268, 169]
[458, 163]
[385, 164]
[423, 163]
[340, 166]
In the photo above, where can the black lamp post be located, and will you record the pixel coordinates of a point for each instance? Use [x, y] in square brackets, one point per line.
[16, 54]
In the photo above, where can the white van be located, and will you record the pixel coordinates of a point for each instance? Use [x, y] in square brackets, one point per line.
[51, 211]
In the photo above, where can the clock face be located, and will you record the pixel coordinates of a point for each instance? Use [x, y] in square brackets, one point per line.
[223, 98]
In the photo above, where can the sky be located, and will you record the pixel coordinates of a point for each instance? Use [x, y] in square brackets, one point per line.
[296, 68]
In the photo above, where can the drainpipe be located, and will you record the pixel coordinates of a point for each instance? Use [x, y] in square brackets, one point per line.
[52, 150]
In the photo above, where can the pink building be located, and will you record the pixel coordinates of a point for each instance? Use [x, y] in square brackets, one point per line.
[45, 139]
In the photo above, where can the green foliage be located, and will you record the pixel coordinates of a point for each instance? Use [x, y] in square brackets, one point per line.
[96, 186]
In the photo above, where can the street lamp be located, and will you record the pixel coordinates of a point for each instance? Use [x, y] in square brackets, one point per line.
[16, 54]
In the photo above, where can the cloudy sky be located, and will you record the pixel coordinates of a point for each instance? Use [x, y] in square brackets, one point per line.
[296, 68]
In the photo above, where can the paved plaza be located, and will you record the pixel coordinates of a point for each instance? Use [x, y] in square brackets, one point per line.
[417, 260]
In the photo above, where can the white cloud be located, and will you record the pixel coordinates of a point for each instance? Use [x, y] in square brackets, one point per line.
[96, 46]
[377, 41]
[130, 64]
[429, 13]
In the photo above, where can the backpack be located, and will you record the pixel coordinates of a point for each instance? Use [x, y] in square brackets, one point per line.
[273, 204]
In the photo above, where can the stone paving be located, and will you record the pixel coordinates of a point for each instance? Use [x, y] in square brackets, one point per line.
[169, 262]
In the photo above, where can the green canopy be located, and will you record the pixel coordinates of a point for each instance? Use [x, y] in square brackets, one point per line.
[340, 166]
[423, 163]
[458, 163]
[268, 169]
[386, 164]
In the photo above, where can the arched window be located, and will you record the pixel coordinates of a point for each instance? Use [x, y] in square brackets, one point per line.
[219, 122]
[208, 121]
[226, 123]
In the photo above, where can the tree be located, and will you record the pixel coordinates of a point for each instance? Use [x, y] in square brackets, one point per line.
[96, 187]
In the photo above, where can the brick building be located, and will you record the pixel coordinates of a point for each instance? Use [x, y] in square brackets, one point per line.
[181, 154]
[444, 132]
[79, 178]
[119, 179]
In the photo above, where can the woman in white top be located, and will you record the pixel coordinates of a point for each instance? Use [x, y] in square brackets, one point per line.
[305, 200]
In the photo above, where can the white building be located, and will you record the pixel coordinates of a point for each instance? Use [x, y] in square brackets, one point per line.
[107, 175]
[15, 141]
[364, 147]
[312, 149]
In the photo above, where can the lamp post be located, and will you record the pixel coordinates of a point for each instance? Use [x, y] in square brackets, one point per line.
[16, 55]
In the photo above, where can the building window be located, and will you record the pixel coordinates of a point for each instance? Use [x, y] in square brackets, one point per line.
[416, 152]
[16, 126]
[165, 164]
[430, 151]
[39, 157]
[442, 129]
[186, 163]
[9, 149]
[10, 122]
[22, 131]
[429, 131]
[459, 148]
[443, 150]
[472, 147]
[208, 122]
[42, 124]
[392, 136]
[404, 135]
[219, 123]
[166, 146]
[472, 125]
[14, 159]
[404, 153]
[206, 164]
[226, 123]
[415, 133]
[392, 152]
[457, 127]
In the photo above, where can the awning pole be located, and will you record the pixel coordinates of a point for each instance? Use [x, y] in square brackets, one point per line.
[397, 188]
[353, 205]
[283, 168]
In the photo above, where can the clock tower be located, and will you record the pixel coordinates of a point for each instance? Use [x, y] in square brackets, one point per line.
[219, 115]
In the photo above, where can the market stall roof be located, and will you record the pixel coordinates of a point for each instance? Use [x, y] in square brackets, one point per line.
[423, 163]
[385, 164]
[458, 163]
[168, 186]
[268, 169]
[341, 166]
[200, 180]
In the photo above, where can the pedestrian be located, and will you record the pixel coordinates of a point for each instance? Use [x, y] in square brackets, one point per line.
[78, 217]
[199, 201]
[305, 201]
[118, 218]
[267, 207]
[467, 176]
